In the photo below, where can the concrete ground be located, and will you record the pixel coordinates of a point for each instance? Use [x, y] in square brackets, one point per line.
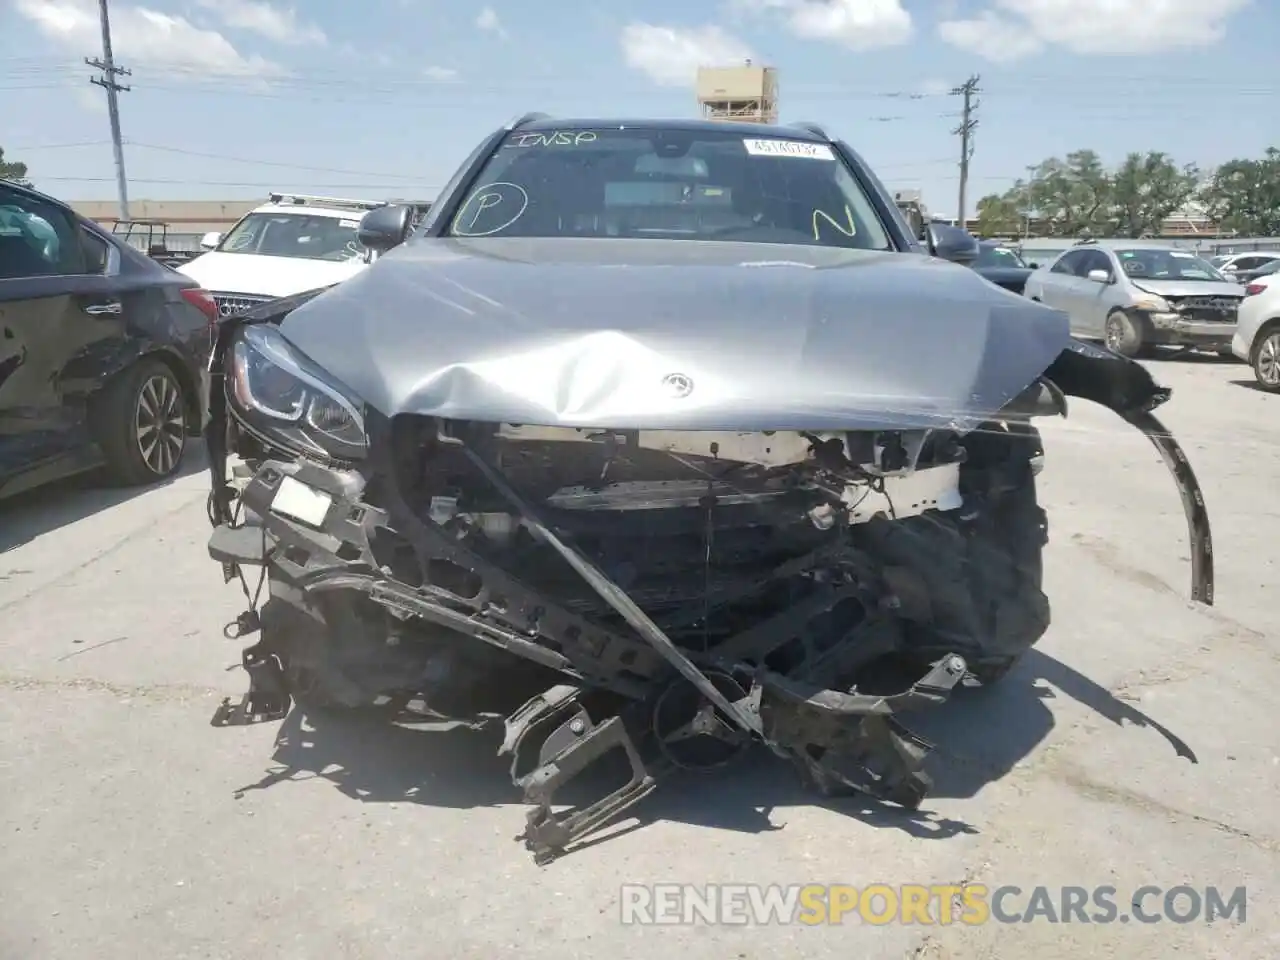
[1138, 745]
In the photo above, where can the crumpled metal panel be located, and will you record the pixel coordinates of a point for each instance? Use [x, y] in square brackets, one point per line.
[677, 335]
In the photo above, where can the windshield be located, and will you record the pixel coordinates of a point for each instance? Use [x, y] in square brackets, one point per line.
[298, 235]
[1166, 265]
[1267, 269]
[998, 257]
[672, 184]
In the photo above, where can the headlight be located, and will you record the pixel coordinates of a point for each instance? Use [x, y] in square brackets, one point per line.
[286, 397]
[1154, 305]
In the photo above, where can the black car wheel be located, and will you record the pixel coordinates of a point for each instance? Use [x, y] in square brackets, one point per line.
[1266, 361]
[144, 424]
[1123, 335]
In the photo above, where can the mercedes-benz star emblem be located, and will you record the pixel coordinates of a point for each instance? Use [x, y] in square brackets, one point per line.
[678, 384]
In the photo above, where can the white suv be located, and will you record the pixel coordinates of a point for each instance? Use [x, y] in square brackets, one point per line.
[289, 245]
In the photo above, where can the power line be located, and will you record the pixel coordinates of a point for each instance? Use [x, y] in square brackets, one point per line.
[968, 124]
[264, 184]
[266, 163]
[109, 83]
[33, 147]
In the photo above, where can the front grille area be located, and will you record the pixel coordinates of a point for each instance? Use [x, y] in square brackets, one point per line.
[1210, 309]
[232, 304]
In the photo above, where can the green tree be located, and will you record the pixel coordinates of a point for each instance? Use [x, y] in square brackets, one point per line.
[1244, 195]
[1145, 191]
[1002, 214]
[13, 170]
[1072, 195]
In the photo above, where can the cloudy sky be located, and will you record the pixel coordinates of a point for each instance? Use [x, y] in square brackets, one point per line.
[231, 98]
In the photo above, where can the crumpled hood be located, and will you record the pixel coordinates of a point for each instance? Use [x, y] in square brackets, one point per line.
[677, 335]
[266, 276]
[1189, 288]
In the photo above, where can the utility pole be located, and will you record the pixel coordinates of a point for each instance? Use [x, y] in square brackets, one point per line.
[108, 82]
[968, 124]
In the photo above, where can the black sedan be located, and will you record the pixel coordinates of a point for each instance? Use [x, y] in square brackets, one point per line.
[1001, 265]
[103, 351]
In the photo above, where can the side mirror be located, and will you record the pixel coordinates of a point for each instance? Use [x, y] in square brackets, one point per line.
[952, 243]
[1099, 276]
[210, 240]
[1033, 265]
[385, 227]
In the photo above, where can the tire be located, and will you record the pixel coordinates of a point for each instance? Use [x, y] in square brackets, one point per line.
[1123, 335]
[1266, 360]
[143, 424]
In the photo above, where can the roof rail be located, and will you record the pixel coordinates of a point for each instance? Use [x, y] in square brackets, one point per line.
[1084, 240]
[303, 199]
[815, 128]
[525, 118]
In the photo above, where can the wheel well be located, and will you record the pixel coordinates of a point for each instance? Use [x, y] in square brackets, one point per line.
[1258, 337]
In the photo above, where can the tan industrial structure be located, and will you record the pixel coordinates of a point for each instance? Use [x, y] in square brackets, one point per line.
[184, 217]
[745, 94]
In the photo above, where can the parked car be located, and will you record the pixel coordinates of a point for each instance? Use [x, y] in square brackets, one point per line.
[1257, 337]
[655, 438]
[1134, 296]
[1255, 280]
[103, 351]
[291, 244]
[1232, 265]
[1002, 265]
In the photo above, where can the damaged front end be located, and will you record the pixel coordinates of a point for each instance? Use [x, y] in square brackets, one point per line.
[668, 596]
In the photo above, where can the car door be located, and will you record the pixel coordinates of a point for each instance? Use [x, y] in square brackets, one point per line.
[51, 287]
[1095, 300]
[1061, 286]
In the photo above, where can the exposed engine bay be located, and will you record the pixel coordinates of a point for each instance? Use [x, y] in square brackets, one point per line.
[675, 596]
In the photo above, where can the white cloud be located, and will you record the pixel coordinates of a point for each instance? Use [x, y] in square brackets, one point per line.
[991, 36]
[258, 16]
[671, 56]
[440, 74]
[856, 24]
[143, 36]
[488, 21]
[1013, 29]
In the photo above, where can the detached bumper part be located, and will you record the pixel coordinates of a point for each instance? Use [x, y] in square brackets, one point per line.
[268, 698]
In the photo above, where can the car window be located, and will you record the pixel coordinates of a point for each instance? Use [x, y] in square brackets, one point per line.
[1155, 264]
[1069, 262]
[994, 256]
[95, 252]
[295, 235]
[36, 238]
[1095, 260]
[1269, 268]
[435, 211]
[1248, 263]
[669, 183]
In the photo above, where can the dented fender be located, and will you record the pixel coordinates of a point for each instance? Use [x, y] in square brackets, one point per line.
[1127, 388]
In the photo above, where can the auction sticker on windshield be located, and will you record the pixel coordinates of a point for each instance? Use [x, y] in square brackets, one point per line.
[788, 148]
